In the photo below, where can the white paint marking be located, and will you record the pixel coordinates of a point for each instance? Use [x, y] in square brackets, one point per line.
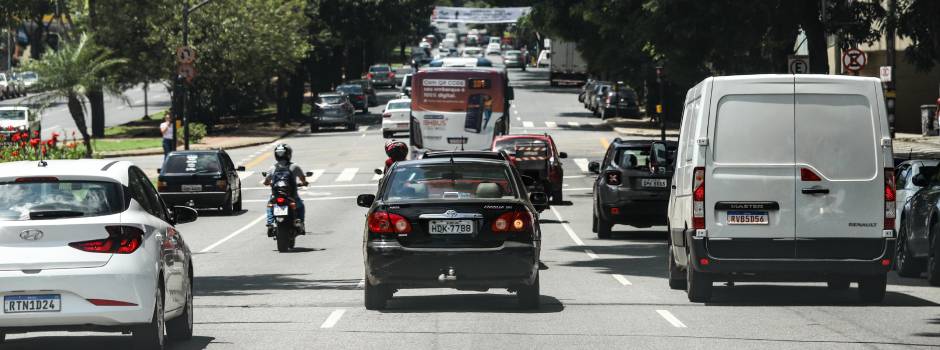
[582, 164]
[347, 175]
[573, 176]
[671, 319]
[376, 177]
[138, 102]
[622, 280]
[528, 124]
[361, 284]
[515, 111]
[316, 176]
[333, 318]
[236, 233]
[574, 124]
[564, 225]
[551, 125]
[363, 128]
[590, 254]
[518, 118]
[305, 199]
[245, 174]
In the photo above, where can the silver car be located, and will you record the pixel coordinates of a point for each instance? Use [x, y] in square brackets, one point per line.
[333, 109]
[381, 75]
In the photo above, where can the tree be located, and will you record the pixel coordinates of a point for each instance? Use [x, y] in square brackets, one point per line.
[70, 74]
[919, 21]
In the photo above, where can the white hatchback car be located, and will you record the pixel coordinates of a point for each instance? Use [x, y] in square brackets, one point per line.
[89, 245]
[396, 117]
[493, 49]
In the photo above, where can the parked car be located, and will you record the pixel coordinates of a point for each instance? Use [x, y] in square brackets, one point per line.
[396, 117]
[371, 97]
[30, 79]
[586, 90]
[916, 250]
[472, 52]
[817, 205]
[89, 245]
[620, 101]
[332, 110]
[904, 175]
[633, 184]
[14, 119]
[8, 88]
[19, 85]
[356, 95]
[381, 75]
[460, 223]
[493, 49]
[593, 100]
[538, 157]
[201, 179]
[400, 74]
[513, 59]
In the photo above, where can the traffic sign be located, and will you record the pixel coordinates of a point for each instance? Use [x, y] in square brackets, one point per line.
[854, 60]
[186, 71]
[185, 55]
[798, 64]
[885, 74]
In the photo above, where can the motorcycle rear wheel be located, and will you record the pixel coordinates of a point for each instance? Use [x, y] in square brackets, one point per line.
[284, 237]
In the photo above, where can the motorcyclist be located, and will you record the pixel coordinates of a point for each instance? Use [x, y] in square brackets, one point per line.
[282, 154]
[396, 151]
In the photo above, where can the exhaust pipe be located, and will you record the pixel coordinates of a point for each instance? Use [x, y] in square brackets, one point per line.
[450, 275]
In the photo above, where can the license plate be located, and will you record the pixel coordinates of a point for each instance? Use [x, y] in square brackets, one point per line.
[191, 188]
[280, 210]
[451, 227]
[32, 303]
[748, 218]
[658, 183]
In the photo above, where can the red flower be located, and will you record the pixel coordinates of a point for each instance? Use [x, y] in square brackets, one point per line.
[72, 145]
[51, 142]
[55, 136]
[34, 142]
[44, 150]
[36, 133]
[15, 138]
[10, 128]
[22, 144]
[15, 153]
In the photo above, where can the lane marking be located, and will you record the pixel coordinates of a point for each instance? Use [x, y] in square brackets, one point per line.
[574, 236]
[518, 118]
[316, 176]
[305, 199]
[573, 176]
[376, 177]
[361, 284]
[333, 318]
[582, 164]
[622, 280]
[528, 124]
[574, 124]
[590, 254]
[551, 125]
[363, 128]
[236, 233]
[347, 175]
[578, 189]
[671, 319]
[604, 143]
[245, 174]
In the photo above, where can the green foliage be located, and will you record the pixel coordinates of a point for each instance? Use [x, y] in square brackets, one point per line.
[197, 131]
[919, 20]
[20, 146]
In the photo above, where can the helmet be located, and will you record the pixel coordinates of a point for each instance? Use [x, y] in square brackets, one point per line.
[396, 150]
[282, 153]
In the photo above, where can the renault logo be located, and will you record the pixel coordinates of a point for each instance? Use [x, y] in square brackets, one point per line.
[31, 235]
[450, 213]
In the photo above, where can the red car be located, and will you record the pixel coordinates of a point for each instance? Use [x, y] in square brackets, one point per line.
[535, 156]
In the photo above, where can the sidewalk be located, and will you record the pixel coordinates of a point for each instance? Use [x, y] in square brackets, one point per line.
[908, 146]
[642, 128]
[257, 137]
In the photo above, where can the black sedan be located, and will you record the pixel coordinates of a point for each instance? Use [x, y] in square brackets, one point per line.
[201, 179]
[357, 96]
[463, 223]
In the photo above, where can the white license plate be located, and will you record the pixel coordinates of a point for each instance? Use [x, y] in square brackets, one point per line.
[748, 218]
[32, 303]
[280, 210]
[191, 188]
[451, 227]
[659, 183]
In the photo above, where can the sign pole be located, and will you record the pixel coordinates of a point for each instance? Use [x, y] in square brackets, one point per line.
[185, 95]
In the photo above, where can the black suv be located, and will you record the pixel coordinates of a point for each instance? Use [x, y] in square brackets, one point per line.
[201, 179]
[633, 186]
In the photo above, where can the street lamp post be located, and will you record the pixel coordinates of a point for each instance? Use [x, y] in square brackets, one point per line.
[182, 89]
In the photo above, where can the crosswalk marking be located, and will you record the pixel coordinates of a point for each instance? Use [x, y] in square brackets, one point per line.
[582, 164]
[551, 125]
[316, 175]
[574, 124]
[376, 177]
[528, 124]
[347, 175]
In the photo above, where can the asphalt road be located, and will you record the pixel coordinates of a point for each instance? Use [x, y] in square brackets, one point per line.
[596, 294]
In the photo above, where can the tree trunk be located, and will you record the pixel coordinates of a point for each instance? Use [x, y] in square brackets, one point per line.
[295, 94]
[281, 99]
[96, 104]
[78, 115]
[815, 37]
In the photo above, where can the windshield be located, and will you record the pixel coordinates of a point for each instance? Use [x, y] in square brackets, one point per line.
[28, 75]
[331, 99]
[350, 89]
[59, 199]
[512, 53]
[457, 181]
[192, 163]
[399, 105]
[13, 115]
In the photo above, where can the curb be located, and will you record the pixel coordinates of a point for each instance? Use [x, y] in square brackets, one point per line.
[159, 151]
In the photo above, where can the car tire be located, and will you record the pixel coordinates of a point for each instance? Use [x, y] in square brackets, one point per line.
[594, 224]
[283, 237]
[904, 263]
[698, 284]
[314, 128]
[3, 337]
[933, 256]
[872, 289]
[838, 284]
[151, 336]
[387, 135]
[181, 327]
[238, 205]
[603, 228]
[376, 296]
[228, 206]
[530, 296]
[676, 276]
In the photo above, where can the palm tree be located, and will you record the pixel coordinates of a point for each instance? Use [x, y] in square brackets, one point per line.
[70, 73]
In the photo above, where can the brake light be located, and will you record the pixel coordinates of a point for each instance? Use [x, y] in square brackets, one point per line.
[280, 200]
[386, 115]
[359, 97]
[108, 302]
[161, 186]
[391, 74]
[221, 184]
[808, 175]
[388, 223]
[890, 196]
[514, 221]
[369, 76]
[698, 198]
[121, 240]
[613, 177]
[37, 179]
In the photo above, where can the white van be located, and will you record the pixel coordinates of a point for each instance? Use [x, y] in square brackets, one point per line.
[783, 178]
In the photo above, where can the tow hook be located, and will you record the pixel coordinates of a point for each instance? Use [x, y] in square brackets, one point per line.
[448, 275]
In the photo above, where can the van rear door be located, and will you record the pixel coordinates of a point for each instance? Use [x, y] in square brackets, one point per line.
[749, 181]
[840, 169]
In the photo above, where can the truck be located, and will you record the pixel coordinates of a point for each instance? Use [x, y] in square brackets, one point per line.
[567, 65]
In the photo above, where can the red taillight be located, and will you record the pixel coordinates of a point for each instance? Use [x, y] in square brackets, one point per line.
[222, 185]
[161, 186]
[885, 262]
[890, 196]
[280, 200]
[514, 221]
[369, 76]
[360, 97]
[37, 179]
[386, 115]
[698, 198]
[613, 177]
[121, 240]
[391, 74]
[808, 175]
[704, 261]
[615, 211]
[388, 223]
[107, 302]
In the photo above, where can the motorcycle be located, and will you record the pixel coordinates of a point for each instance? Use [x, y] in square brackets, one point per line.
[287, 223]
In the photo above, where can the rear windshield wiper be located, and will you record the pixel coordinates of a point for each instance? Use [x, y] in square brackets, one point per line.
[54, 214]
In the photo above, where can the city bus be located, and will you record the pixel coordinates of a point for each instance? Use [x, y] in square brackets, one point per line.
[459, 108]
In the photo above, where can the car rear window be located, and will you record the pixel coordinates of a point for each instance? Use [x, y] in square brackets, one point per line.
[633, 157]
[350, 89]
[510, 146]
[331, 99]
[379, 69]
[399, 105]
[457, 181]
[59, 199]
[192, 163]
[13, 115]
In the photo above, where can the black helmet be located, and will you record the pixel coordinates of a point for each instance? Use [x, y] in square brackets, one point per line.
[282, 153]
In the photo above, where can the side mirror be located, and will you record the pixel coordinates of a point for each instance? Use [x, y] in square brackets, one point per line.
[562, 155]
[378, 171]
[594, 167]
[159, 170]
[365, 200]
[309, 173]
[920, 180]
[538, 198]
[528, 180]
[264, 174]
[182, 215]
[240, 168]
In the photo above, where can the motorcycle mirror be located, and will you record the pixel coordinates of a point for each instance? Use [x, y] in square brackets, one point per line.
[309, 173]
[240, 168]
[264, 174]
[378, 171]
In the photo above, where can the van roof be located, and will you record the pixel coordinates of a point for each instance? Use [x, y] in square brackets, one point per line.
[812, 77]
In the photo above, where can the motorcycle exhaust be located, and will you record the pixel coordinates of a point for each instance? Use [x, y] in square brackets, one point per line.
[450, 275]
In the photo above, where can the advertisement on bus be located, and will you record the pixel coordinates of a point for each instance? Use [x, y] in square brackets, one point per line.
[458, 109]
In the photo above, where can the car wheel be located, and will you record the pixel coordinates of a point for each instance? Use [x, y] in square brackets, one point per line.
[376, 296]
[904, 263]
[698, 284]
[838, 284]
[228, 206]
[872, 289]
[151, 336]
[387, 134]
[557, 196]
[594, 223]
[314, 128]
[238, 205]
[283, 237]
[933, 257]
[676, 278]
[529, 296]
[603, 228]
[351, 126]
[181, 327]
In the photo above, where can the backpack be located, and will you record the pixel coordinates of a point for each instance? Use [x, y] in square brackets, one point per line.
[282, 172]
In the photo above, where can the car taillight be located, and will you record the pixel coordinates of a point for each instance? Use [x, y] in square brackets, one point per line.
[514, 221]
[890, 196]
[108, 302]
[221, 185]
[121, 240]
[280, 200]
[369, 76]
[391, 74]
[388, 223]
[161, 186]
[698, 198]
[360, 97]
[386, 115]
[613, 177]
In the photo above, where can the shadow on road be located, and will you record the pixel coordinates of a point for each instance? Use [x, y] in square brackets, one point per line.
[460, 303]
[810, 295]
[96, 342]
[259, 284]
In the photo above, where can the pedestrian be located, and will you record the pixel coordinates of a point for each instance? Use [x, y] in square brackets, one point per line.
[166, 128]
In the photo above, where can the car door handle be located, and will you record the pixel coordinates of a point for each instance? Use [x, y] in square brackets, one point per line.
[815, 190]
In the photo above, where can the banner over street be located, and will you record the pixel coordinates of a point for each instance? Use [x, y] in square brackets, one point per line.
[478, 15]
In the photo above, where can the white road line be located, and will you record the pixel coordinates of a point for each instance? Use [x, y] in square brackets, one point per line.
[551, 125]
[347, 175]
[316, 176]
[361, 284]
[622, 280]
[333, 318]
[574, 124]
[363, 128]
[515, 111]
[245, 174]
[236, 233]
[518, 118]
[313, 186]
[573, 176]
[578, 189]
[671, 319]
[138, 102]
[590, 254]
[305, 199]
[376, 177]
[582, 164]
[528, 124]
[574, 236]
